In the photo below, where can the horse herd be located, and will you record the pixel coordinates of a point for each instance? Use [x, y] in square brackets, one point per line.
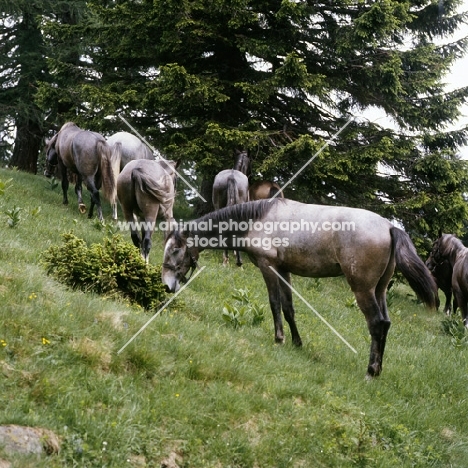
[280, 236]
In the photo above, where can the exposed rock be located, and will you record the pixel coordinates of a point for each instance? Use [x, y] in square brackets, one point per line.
[172, 461]
[27, 440]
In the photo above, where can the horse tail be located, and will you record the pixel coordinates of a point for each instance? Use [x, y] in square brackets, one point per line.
[413, 268]
[162, 189]
[109, 186]
[232, 198]
[116, 158]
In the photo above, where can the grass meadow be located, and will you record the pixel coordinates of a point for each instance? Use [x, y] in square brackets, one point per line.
[194, 390]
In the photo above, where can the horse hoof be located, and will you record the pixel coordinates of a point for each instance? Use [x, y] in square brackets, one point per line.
[82, 208]
[373, 370]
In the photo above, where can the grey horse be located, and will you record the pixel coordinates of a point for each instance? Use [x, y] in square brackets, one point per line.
[87, 155]
[126, 147]
[143, 188]
[230, 187]
[282, 236]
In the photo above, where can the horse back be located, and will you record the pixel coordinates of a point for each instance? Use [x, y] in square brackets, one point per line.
[132, 148]
[145, 184]
[228, 185]
[263, 189]
[319, 241]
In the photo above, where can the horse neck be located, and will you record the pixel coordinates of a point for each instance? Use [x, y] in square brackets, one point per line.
[212, 226]
[456, 249]
[242, 163]
[203, 227]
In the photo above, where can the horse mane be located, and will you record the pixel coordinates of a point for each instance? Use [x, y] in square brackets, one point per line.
[450, 245]
[253, 210]
[447, 247]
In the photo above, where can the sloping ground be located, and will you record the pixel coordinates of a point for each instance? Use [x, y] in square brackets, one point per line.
[193, 391]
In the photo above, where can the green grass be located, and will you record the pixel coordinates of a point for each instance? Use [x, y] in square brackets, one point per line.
[193, 388]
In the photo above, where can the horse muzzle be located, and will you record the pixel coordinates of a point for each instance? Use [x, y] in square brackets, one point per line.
[171, 284]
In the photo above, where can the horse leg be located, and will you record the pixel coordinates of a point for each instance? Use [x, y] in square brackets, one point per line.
[134, 234]
[225, 257]
[65, 183]
[147, 231]
[381, 296]
[288, 309]
[448, 300]
[95, 200]
[461, 302]
[238, 258]
[274, 296]
[79, 194]
[378, 325]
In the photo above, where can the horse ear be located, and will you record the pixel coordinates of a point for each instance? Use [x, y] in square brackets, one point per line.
[51, 143]
[177, 163]
[440, 233]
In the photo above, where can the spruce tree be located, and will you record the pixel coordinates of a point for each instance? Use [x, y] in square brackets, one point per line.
[280, 78]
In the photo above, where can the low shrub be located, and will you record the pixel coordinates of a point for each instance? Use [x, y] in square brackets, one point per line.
[112, 268]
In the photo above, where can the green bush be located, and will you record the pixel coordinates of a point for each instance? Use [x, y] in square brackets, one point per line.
[112, 268]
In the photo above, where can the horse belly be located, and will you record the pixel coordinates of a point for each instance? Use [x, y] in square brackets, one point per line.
[303, 262]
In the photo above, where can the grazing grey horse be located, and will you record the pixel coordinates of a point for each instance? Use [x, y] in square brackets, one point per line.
[144, 187]
[230, 187]
[312, 241]
[126, 147]
[87, 155]
[448, 262]
[263, 189]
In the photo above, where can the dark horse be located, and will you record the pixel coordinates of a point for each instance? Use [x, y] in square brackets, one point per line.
[144, 187]
[442, 273]
[87, 155]
[311, 241]
[448, 262]
[263, 189]
[230, 187]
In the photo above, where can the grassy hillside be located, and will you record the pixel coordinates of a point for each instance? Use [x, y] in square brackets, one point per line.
[192, 390]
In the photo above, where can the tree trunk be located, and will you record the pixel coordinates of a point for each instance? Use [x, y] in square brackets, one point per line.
[206, 191]
[27, 146]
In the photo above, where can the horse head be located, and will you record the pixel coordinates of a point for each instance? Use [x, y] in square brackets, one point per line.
[51, 160]
[444, 250]
[179, 258]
